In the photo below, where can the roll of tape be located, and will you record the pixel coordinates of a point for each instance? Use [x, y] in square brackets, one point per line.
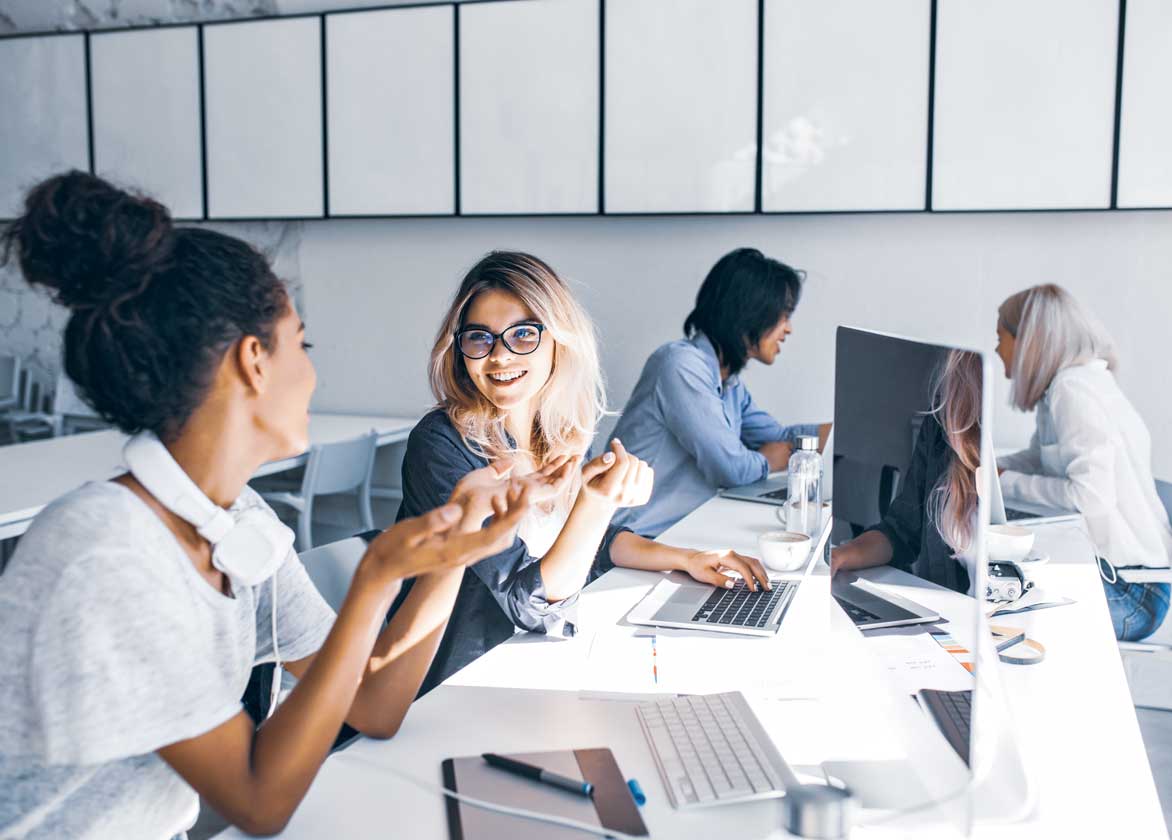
[1025, 652]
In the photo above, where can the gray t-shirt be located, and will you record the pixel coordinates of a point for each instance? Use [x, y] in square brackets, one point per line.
[111, 646]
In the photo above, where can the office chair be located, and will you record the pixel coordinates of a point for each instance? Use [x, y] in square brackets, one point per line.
[34, 416]
[341, 467]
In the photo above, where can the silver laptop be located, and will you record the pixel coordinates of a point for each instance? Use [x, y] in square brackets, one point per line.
[774, 488]
[871, 607]
[680, 601]
[1024, 513]
[771, 490]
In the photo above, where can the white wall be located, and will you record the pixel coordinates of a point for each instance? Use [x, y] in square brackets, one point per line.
[374, 292]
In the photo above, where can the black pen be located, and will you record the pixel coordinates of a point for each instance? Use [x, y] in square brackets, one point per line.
[538, 774]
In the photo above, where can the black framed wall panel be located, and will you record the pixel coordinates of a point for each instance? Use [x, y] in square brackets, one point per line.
[263, 118]
[681, 106]
[390, 112]
[45, 128]
[845, 105]
[146, 114]
[1024, 104]
[529, 94]
[1145, 120]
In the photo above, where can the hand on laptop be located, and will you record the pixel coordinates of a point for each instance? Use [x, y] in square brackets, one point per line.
[713, 567]
[777, 453]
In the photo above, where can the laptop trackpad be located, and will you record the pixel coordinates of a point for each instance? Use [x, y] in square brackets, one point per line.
[685, 596]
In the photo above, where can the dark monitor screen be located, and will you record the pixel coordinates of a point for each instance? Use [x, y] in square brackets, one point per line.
[882, 390]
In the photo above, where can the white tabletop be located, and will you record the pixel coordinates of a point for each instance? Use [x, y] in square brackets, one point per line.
[35, 473]
[1076, 727]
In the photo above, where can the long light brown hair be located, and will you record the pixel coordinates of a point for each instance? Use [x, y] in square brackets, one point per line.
[572, 400]
[956, 405]
[1052, 332]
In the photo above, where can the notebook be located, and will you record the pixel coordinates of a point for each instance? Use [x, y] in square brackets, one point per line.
[612, 805]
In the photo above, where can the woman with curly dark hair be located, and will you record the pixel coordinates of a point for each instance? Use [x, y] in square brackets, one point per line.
[134, 609]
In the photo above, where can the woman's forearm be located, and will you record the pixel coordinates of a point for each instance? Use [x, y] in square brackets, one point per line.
[258, 785]
[871, 548]
[403, 653]
[565, 566]
[632, 551]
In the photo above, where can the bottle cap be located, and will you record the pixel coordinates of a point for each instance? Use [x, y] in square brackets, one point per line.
[808, 442]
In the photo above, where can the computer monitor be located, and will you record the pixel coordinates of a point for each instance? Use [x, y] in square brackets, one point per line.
[896, 399]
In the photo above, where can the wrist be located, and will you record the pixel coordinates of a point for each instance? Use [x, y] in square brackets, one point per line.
[678, 558]
[593, 504]
[373, 579]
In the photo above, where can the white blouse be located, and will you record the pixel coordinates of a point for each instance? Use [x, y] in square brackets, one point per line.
[1092, 453]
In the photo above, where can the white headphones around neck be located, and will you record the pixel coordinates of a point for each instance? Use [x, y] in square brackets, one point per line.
[248, 544]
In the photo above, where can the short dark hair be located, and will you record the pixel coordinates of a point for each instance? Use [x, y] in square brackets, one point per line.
[154, 308]
[744, 296]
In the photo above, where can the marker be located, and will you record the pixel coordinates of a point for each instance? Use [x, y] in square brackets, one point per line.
[637, 792]
[654, 662]
[538, 774]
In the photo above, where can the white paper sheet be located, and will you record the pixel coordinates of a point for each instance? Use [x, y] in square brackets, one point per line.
[915, 660]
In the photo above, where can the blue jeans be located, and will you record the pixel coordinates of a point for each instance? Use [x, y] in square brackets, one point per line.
[1137, 609]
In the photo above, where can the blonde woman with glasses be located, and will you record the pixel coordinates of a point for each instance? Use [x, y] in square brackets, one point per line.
[1091, 451]
[517, 380]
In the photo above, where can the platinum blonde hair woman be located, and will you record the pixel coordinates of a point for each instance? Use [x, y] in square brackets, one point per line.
[1051, 332]
[928, 528]
[1091, 451]
[516, 377]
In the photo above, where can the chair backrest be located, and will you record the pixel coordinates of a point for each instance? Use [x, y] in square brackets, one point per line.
[34, 394]
[331, 567]
[1164, 491]
[9, 377]
[338, 467]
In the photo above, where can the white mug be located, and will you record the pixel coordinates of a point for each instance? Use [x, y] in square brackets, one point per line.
[784, 551]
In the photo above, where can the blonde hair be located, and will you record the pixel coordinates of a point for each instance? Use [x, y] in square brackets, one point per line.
[956, 405]
[572, 400]
[1052, 332]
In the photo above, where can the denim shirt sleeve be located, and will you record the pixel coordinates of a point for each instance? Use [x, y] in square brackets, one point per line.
[602, 560]
[435, 461]
[693, 411]
[758, 425]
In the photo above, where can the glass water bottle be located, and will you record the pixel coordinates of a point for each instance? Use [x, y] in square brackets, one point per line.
[804, 500]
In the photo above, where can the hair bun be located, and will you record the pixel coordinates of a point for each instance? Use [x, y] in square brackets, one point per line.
[89, 241]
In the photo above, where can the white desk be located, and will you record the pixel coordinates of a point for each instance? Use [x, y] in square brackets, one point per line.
[1077, 727]
[34, 474]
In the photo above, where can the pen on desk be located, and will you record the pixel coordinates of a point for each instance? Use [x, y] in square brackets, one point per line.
[538, 774]
[654, 662]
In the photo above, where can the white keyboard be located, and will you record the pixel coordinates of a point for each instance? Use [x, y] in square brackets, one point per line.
[712, 750]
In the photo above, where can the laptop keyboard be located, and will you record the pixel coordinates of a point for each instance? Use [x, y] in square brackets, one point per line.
[858, 614]
[953, 712]
[740, 607]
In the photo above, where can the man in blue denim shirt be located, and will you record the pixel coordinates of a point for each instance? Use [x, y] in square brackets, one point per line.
[690, 417]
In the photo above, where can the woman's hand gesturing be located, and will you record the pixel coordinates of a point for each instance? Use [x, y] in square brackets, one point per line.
[434, 542]
[618, 478]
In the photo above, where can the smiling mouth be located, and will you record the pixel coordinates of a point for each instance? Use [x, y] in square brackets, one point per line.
[507, 377]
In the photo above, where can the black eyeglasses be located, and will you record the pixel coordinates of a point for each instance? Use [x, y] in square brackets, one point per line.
[522, 339]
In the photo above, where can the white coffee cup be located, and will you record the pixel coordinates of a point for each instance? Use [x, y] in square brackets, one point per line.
[784, 551]
[1009, 543]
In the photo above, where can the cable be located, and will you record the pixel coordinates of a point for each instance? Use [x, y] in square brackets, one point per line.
[508, 810]
[275, 688]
